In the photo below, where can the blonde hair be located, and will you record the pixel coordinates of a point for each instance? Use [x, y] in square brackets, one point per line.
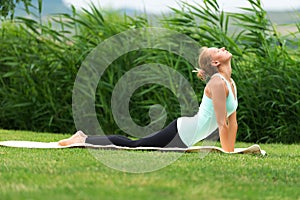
[204, 63]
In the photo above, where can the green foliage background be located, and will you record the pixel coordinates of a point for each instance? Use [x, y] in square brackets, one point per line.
[39, 61]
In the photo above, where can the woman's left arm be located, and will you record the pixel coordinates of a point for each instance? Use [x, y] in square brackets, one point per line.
[232, 129]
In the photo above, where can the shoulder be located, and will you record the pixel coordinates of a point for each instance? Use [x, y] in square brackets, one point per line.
[215, 85]
[216, 82]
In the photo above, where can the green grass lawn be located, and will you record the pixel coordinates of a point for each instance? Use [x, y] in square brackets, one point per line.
[76, 174]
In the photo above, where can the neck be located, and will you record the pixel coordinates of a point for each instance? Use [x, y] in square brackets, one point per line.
[225, 70]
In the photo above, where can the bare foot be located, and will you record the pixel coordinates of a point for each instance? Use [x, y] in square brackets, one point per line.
[78, 137]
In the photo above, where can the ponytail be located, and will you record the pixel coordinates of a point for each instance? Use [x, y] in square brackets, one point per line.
[201, 74]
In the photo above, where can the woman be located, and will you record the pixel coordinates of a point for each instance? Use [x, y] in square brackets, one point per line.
[217, 110]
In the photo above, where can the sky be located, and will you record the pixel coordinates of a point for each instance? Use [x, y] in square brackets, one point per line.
[161, 6]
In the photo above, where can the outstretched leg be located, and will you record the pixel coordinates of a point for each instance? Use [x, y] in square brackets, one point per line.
[167, 137]
[80, 137]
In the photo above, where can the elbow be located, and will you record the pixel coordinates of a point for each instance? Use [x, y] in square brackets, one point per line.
[223, 126]
[235, 124]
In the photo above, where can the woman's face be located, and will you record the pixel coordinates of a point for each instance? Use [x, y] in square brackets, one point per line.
[220, 55]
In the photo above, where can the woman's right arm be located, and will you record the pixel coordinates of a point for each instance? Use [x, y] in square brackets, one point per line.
[218, 94]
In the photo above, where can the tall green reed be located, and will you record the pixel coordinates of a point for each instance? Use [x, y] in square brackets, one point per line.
[264, 66]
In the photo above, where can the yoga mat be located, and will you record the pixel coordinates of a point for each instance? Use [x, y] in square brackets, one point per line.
[254, 149]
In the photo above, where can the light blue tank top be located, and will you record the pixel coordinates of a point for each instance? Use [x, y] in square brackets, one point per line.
[194, 129]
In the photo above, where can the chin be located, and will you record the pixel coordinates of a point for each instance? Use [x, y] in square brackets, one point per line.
[230, 55]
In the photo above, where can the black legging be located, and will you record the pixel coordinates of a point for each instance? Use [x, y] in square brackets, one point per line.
[167, 137]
